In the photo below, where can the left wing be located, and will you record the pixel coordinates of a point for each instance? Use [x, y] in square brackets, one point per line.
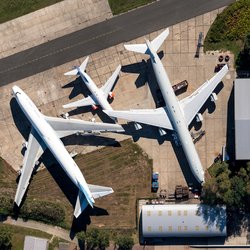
[88, 101]
[156, 117]
[106, 88]
[32, 154]
[65, 127]
[193, 103]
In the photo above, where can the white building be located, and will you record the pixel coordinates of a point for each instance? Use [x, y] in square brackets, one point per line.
[186, 220]
[242, 118]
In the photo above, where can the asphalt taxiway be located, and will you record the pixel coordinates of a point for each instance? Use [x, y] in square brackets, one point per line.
[116, 30]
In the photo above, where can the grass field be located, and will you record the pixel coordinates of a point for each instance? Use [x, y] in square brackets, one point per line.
[121, 6]
[126, 169]
[10, 9]
[19, 234]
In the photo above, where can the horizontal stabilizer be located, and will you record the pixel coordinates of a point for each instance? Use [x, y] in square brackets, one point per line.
[143, 48]
[158, 41]
[81, 204]
[100, 191]
[81, 68]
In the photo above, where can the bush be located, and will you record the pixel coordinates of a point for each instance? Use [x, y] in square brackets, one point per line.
[6, 205]
[45, 211]
[5, 238]
[124, 242]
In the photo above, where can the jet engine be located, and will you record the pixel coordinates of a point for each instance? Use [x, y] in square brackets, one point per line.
[162, 132]
[111, 95]
[214, 97]
[137, 126]
[199, 117]
[94, 107]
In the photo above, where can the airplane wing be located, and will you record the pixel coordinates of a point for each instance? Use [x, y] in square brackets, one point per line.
[156, 117]
[193, 103]
[106, 88]
[88, 101]
[34, 151]
[65, 127]
[100, 191]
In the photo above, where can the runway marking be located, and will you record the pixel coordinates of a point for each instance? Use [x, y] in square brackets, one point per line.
[60, 50]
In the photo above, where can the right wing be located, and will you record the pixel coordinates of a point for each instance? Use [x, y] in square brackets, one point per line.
[106, 88]
[34, 151]
[193, 103]
[155, 117]
[65, 127]
[88, 101]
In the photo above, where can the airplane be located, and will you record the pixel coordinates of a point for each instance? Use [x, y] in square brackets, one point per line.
[176, 115]
[98, 95]
[46, 133]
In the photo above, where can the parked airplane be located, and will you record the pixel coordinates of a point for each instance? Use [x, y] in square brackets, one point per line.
[98, 96]
[46, 133]
[177, 115]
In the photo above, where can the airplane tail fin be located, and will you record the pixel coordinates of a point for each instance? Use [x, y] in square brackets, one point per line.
[81, 68]
[82, 202]
[143, 48]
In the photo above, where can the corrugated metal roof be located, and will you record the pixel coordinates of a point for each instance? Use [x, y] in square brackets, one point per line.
[189, 220]
[242, 118]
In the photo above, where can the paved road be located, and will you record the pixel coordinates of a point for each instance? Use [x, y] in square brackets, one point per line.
[53, 230]
[103, 35]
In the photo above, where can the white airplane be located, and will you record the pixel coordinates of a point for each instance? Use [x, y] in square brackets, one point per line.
[177, 115]
[46, 133]
[98, 96]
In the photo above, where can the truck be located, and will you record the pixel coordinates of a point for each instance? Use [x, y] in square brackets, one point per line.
[155, 182]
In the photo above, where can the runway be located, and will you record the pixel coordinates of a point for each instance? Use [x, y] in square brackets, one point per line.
[116, 30]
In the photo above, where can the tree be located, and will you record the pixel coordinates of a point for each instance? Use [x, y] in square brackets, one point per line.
[5, 238]
[124, 242]
[94, 238]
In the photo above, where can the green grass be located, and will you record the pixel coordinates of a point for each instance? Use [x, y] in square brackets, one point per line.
[19, 234]
[10, 9]
[127, 169]
[121, 6]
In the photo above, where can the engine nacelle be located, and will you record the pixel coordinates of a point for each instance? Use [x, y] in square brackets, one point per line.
[199, 117]
[111, 95]
[162, 131]
[25, 145]
[213, 97]
[137, 126]
[94, 107]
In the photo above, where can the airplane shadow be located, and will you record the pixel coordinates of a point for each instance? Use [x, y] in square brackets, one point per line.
[78, 88]
[20, 120]
[146, 74]
[230, 134]
[147, 131]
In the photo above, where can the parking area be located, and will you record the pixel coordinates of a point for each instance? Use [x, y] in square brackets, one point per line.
[136, 88]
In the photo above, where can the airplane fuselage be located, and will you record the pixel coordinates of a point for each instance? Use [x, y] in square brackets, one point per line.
[51, 140]
[95, 91]
[176, 117]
